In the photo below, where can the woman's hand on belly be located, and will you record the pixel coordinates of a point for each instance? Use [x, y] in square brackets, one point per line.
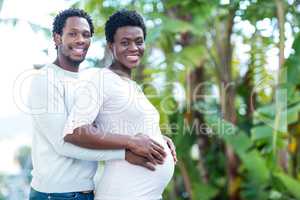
[138, 160]
[171, 147]
[144, 146]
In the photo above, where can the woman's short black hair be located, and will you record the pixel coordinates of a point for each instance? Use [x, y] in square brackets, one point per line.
[61, 18]
[123, 18]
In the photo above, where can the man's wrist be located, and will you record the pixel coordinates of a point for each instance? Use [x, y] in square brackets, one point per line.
[126, 154]
[130, 142]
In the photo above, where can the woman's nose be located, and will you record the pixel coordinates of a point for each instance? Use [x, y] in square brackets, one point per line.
[133, 47]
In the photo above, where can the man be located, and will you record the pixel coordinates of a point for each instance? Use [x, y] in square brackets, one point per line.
[61, 169]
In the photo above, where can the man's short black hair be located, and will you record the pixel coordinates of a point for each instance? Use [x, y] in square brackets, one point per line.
[61, 18]
[123, 18]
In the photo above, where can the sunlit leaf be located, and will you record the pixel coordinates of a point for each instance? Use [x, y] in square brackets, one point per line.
[261, 132]
[291, 184]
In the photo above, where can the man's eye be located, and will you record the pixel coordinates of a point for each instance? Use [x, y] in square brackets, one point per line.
[87, 35]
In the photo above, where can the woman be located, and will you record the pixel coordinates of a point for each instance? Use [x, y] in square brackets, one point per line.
[122, 108]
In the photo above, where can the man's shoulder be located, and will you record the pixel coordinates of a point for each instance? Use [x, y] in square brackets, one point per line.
[44, 76]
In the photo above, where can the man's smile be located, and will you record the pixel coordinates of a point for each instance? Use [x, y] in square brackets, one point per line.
[79, 50]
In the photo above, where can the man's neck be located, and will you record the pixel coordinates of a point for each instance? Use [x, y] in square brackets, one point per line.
[66, 66]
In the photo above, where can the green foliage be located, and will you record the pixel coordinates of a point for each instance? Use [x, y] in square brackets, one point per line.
[253, 12]
[293, 63]
[187, 35]
[253, 162]
[290, 184]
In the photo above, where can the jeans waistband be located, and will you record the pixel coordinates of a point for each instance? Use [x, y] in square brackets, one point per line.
[42, 195]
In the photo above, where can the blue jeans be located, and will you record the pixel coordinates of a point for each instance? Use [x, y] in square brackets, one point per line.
[35, 195]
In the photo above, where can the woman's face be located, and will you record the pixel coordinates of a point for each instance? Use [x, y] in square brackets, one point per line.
[128, 46]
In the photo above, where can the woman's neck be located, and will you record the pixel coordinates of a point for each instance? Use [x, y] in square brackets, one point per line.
[120, 69]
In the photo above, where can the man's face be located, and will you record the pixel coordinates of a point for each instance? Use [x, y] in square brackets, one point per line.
[75, 40]
[128, 46]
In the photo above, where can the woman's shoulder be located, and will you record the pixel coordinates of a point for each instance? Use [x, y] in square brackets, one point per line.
[101, 77]
[96, 73]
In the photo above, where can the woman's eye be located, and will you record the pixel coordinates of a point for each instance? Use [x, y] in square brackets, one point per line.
[72, 34]
[124, 43]
[140, 42]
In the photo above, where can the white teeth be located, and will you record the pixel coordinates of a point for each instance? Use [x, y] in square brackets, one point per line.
[78, 50]
[132, 58]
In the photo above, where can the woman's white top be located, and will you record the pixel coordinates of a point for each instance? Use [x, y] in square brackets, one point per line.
[117, 105]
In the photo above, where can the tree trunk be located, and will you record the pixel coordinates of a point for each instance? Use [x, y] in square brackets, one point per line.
[196, 80]
[186, 178]
[282, 154]
[281, 21]
[227, 95]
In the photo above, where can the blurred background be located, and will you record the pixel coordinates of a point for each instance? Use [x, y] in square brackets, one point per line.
[223, 74]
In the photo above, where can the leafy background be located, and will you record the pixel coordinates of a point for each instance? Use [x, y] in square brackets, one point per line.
[235, 123]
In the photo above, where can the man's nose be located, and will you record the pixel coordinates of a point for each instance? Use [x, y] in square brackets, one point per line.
[80, 38]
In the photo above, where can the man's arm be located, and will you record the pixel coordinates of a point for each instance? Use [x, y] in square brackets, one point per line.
[89, 136]
[49, 117]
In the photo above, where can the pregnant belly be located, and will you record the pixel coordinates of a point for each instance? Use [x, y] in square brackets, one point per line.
[121, 179]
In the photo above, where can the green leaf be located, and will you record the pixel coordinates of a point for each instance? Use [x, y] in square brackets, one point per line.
[241, 143]
[256, 166]
[292, 185]
[261, 132]
[203, 191]
[153, 34]
[296, 44]
[293, 63]
[191, 55]
[175, 25]
[293, 113]
[266, 115]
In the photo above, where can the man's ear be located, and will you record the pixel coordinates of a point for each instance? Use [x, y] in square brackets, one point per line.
[57, 39]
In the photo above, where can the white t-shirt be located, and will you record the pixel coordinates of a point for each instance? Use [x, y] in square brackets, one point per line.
[118, 106]
[59, 166]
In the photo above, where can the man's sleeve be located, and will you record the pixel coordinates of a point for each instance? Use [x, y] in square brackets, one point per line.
[88, 100]
[49, 116]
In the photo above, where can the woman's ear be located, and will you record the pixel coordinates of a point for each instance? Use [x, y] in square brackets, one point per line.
[108, 56]
[110, 46]
[57, 39]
